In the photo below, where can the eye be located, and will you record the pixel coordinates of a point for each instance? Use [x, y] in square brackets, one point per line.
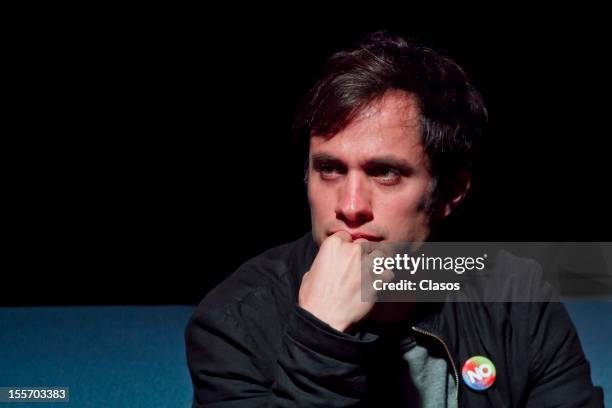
[386, 175]
[328, 171]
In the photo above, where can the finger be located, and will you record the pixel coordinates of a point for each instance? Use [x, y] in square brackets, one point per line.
[343, 235]
[369, 263]
[369, 246]
[387, 275]
[369, 257]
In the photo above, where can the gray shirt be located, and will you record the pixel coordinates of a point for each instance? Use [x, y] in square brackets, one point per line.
[429, 383]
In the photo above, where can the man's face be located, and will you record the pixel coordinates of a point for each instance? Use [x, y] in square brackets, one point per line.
[372, 179]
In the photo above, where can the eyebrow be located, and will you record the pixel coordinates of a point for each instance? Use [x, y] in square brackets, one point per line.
[390, 161]
[381, 161]
[325, 158]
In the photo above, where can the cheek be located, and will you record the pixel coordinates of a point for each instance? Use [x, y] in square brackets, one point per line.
[404, 204]
[321, 211]
[397, 212]
[319, 201]
[403, 210]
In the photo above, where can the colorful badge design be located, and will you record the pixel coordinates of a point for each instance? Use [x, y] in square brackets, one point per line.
[478, 373]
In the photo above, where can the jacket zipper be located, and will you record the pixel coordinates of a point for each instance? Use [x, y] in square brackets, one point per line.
[450, 357]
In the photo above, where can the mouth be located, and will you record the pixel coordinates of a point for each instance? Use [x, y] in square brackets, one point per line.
[360, 236]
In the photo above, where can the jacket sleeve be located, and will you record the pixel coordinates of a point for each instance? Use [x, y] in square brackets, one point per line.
[312, 365]
[560, 373]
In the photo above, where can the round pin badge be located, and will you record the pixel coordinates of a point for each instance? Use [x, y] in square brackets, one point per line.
[478, 373]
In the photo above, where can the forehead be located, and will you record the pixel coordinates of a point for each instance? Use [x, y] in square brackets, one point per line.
[389, 125]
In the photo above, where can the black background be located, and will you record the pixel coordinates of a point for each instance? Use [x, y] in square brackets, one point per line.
[153, 151]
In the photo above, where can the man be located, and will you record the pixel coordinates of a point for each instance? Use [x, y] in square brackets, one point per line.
[392, 128]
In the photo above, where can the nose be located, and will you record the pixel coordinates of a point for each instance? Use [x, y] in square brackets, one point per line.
[354, 206]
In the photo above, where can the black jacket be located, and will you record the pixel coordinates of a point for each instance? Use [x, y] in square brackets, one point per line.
[249, 345]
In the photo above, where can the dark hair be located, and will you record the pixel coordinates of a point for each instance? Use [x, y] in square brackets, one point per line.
[452, 110]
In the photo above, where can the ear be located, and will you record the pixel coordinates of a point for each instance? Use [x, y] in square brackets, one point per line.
[453, 192]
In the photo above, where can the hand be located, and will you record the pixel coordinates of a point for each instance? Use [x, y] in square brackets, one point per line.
[331, 289]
